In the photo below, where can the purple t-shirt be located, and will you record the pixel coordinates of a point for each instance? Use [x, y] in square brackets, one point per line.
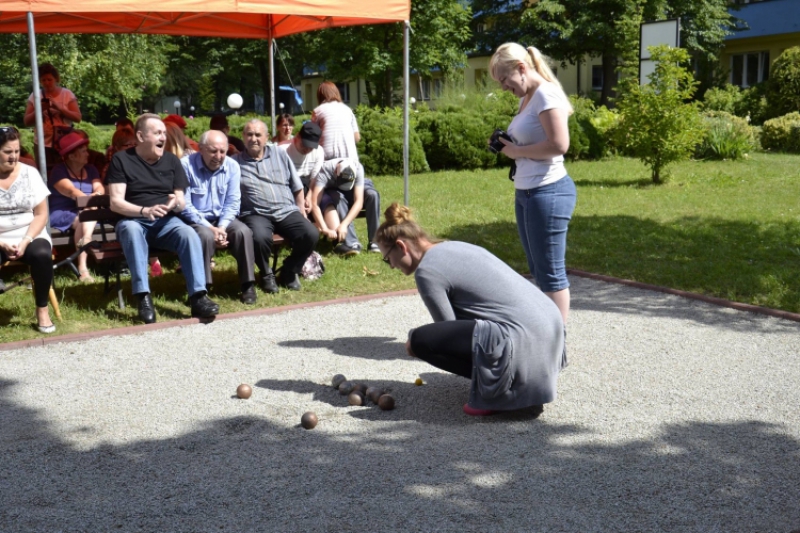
[59, 202]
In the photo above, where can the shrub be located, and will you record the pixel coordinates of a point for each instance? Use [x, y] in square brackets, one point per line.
[728, 99]
[590, 129]
[381, 149]
[657, 126]
[456, 140]
[754, 104]
[783, 90]
[726, 136]
[782, 134]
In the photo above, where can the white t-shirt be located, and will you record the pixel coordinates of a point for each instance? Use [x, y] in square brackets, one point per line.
[52, 117]
[17, 203]
[339, 126]
[526, 129]
[309, 165]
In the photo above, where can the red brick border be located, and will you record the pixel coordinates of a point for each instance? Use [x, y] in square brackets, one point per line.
[133, 330]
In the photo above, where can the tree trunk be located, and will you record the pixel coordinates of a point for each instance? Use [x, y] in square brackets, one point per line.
[609, 78]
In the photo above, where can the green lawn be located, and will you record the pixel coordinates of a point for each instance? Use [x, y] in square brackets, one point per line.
[728, 229]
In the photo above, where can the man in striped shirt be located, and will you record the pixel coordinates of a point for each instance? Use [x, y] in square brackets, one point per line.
[272, 202]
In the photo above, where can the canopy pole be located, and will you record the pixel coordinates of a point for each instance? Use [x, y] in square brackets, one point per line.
[37, 99]
[406, 26]
[272, 84]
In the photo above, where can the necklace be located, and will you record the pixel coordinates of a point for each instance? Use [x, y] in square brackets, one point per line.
[71, 173]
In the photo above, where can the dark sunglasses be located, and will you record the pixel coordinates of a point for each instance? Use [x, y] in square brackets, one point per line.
[8, 129]
[386, 257]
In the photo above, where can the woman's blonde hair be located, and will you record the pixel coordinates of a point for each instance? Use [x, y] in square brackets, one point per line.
[400, 224]
[177, 143]
[508, 57]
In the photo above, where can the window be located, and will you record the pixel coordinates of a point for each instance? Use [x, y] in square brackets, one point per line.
[344, 90]
[597, 77]
[430, 88]
[749, 69]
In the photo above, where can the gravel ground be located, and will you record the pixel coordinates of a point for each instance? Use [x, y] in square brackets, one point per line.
[673, 415]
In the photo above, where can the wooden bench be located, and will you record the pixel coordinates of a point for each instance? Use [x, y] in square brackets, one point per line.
[108, 251]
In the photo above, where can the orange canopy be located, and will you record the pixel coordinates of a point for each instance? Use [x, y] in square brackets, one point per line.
[252, 19]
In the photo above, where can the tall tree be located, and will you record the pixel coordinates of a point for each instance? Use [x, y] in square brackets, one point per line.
[440, 31]
[609, 29]
[495, 22]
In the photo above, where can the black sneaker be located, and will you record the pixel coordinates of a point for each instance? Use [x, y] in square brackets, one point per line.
[249, 296]
[344, 250]
[291, 282]
[268, 284]
[202, 306]
[373, 247]
[146, 311]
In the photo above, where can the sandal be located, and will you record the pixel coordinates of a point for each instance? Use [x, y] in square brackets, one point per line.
[46, 329]
[85, 277]
[471, 411]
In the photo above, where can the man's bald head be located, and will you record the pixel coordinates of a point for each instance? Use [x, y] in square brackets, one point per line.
[213, 148]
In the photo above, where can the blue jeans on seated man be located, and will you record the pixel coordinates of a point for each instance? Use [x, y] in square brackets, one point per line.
[170, 233]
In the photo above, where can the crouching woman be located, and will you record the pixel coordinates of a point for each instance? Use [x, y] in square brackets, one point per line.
[491, 325]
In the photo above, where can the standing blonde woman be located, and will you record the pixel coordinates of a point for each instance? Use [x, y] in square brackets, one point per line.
[545, 194]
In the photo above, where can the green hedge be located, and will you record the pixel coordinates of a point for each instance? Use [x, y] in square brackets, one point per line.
[381, 147]
[782, 134]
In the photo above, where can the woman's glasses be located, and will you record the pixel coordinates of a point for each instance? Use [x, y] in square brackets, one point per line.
[386, 257]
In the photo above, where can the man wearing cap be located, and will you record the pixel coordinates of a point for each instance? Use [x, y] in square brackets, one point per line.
[219, 122]
[146, 187]
[307, 156]
[272, 202]
[338, 194]
[181, 123]
[212, 203]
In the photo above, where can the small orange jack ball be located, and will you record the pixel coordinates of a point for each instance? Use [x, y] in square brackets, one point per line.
[244, 391]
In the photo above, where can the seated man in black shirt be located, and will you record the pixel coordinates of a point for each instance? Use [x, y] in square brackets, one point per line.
[146, 185]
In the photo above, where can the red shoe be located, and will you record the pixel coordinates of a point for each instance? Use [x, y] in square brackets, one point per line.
[155, 268]
[471, 411]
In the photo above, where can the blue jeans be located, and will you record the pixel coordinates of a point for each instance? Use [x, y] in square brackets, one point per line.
[543, 215]
[169, 233]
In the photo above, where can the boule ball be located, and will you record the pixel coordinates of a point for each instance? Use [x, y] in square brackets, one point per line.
[345, 388]
[360, 387]
[386, 402]
[244, 391]
[337, 380]
[309, 420]
[418, 382]
[355, 398]
[373, 393]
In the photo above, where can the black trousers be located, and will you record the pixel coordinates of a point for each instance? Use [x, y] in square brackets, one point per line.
[39, 256]
[240, 244]
[446, 345]
[301, 234]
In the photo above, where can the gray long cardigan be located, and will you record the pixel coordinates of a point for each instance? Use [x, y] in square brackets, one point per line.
[518, 341]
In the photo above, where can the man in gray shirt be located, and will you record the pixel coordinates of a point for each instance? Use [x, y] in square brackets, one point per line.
[272, 201]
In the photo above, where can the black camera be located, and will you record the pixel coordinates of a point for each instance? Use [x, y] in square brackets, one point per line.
[494, 141]
[45, 103]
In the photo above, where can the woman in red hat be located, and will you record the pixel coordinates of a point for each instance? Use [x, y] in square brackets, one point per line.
[69, 180]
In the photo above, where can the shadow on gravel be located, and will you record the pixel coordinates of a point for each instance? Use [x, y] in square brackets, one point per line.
[402, 473]
[378, 348]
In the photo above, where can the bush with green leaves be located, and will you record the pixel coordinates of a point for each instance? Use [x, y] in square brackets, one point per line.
[726, 137]
[743, 103]
[782, 134]
[591, 130]
[657, 125]
[783, 89]
[381, 147]
[455, 139]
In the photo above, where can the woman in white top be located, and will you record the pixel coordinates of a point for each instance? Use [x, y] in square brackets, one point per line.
[338, 123]
[59, 105]
[545, 194]
[23, 221]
